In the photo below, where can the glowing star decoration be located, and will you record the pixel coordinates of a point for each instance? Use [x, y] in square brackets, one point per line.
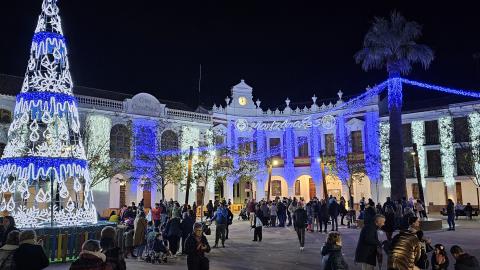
[385, 153]
[418, 137]
[447, 149]
[44, 148]
[474, 128]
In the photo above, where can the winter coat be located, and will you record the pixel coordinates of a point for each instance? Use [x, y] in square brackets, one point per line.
[281, 209]
[140, 229]
[156, 213]
[335, 259]
[300, 218]
[173, 227]
[450, 208]
[323, 211]
[187, 226]
[273, 210]
[36, 258]
[113, 254]
[6, 257]
[369, 215]
[128, 238]
[367, 245]
[389, 222]
[196, 259]
[466, 262]
[333, 208]
[436, 265]
[405, 251]
[265, 210]
[341, 208]
[89, 262]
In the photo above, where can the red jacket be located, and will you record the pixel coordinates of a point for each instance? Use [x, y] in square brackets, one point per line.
[156, 212]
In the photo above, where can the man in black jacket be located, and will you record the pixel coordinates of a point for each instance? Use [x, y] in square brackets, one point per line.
[300, 224]
[464, 261]
[30, 254]
[186, 227]
[368, 244]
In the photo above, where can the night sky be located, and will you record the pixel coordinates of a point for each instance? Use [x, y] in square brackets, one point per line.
[282, 50]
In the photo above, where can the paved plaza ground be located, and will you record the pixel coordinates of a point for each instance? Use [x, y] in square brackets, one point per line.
[279, 249]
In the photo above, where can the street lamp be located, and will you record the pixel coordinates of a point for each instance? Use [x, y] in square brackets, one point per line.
[271, 162]
[321, 160]
[419, 176]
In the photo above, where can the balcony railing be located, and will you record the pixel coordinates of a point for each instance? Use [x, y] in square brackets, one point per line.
[94, 102]
[189, 116]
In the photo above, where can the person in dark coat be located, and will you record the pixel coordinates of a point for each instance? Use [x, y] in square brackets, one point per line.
[451, 215]
[439, 258]
[229, 221]
[282, 215]
[91, 258]
[369, 213]
[173, 232]
[300, 224]
[209, 209]
[196, 246]
[463, 260]
[187, 227]
[113, 254]
[368, 243]
[323, 215]
[342, 210]
[8, 226]
[30, 254]
[333, 213]
[389, 226]
[332, 251]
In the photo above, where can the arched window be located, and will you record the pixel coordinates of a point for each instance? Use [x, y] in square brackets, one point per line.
[120, 142]
[2, 147]
[169, 140]
[5, 116]
[297, 188]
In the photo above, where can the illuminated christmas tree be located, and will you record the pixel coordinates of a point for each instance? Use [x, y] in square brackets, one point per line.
[44, 177]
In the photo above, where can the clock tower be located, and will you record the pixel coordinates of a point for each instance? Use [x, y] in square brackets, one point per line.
[241, 102]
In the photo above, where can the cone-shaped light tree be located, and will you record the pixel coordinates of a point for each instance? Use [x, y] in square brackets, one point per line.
[391, 44]
[44, 177]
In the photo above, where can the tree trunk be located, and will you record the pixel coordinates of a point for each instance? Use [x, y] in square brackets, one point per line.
[397, 174]
[163, 192]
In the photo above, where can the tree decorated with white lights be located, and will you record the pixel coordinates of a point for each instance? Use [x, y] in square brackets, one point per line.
[44, 177]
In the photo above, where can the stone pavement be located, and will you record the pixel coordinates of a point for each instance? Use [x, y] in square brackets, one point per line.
[280, 249]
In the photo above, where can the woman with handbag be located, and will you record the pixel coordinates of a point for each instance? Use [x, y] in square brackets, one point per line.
[423, 262]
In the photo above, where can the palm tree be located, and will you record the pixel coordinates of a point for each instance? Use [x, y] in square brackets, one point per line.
[391, 44]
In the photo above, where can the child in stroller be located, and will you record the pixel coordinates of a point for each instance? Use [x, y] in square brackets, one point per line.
[157, 250]
[243, 214]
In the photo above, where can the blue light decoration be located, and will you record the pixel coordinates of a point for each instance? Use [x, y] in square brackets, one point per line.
[372, 146]
[461, 92]
[395, 93]
[48, 43]
[289, 155]
[145, 149]
[341, 149]
[259, 137]
[39, 102]
[42, 167]
[315, 154]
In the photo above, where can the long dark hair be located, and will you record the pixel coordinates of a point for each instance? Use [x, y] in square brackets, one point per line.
[11, 221]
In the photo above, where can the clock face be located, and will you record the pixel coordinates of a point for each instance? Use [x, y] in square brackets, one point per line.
[242, 101]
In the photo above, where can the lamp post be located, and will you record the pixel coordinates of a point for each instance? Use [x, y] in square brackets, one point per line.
[189, 175]
[322, 168]
[271, 162]
[419, 176]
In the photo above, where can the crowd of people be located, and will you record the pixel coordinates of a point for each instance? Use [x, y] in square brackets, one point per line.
[169, 230]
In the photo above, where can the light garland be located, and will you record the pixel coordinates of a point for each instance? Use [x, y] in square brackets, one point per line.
[315, 153]
[341, 149]
[289, 155]
[145, 148]
[395, 93]
[372, 146]
[447, 149]
[385, 153]
[98, 130]
[467, 93]
[474, 128]
[418, 137]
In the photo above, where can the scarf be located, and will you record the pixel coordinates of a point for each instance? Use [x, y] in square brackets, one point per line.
[97, 254]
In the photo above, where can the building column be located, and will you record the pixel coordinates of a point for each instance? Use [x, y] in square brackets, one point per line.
[452, 193]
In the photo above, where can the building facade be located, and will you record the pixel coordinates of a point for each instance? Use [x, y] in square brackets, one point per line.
[351, 140]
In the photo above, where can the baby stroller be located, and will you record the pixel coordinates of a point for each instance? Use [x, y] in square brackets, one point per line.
[156, 250]
[243, 214]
